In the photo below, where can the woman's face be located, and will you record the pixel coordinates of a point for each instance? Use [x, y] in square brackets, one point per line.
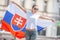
[34, 9]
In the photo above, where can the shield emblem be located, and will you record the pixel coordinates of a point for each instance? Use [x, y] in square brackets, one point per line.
[18, 22]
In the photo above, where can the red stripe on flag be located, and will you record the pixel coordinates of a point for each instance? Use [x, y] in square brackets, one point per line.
[4, 26]
[7, 27]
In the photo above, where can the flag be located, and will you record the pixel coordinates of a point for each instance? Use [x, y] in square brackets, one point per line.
[43, 23]
[14, 21]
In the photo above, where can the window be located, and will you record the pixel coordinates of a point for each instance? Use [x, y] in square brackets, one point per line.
[58, 31]
[59, 11]
[42, 32]
[4, 39]
[7, 2]
[59, 14]
[58, 0]
[4, 2]
[45, 6]
[22, 2]
[34, 1]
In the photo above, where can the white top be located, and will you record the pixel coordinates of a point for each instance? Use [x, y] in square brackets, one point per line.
[31, 20]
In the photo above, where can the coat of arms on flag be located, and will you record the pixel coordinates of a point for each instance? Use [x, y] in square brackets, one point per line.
[14, 20]
[18, 22]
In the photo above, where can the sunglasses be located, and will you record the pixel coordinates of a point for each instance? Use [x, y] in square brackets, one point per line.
[35, 8]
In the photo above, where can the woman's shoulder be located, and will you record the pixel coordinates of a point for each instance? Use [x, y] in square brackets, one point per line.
[29, 12]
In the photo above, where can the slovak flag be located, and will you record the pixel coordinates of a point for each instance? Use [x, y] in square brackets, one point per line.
[14, 20]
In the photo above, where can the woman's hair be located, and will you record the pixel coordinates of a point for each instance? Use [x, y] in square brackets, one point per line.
[34, 6]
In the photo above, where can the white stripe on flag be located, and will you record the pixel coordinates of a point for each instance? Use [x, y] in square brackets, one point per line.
[44, 23]
[15, 9]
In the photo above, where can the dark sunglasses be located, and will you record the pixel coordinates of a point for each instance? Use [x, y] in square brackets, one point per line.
[35, 8]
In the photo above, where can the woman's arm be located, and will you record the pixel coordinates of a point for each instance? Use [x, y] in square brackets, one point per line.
[47, 18]
[20, 6]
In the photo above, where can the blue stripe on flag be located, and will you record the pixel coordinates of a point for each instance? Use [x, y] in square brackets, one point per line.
[39, 28]
[24, 29]
[8, 16]
[16, 28]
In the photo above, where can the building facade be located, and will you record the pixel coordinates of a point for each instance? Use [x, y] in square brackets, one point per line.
[46, 7]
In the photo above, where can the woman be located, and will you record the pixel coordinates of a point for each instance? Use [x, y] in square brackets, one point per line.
[31, 27]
